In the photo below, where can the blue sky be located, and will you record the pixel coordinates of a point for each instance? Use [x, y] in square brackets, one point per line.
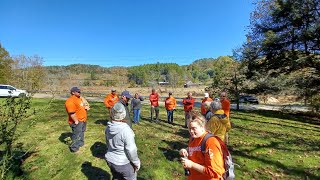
[123, 32]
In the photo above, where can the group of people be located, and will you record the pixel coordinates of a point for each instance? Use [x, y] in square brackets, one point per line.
[122, 157]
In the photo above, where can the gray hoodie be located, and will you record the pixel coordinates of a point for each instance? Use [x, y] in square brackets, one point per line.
[122, 148]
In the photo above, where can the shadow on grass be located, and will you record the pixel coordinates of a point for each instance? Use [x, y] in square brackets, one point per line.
[162, 122]
[287, 169]
[172, 152]
[298, 140]
[183, 133]
[94, 173]
[284, 124]
[14, 169]
[102, 122]
[98, 149]
[65, 137]
[298, 116]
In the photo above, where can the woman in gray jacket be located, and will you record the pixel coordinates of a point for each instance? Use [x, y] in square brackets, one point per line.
[136, 106]
[122, 156]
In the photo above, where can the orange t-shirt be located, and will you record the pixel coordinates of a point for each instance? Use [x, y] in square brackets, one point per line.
[212, 159]
[170, 103]
[203, 109]
[226, 107]
[110, 100]
[75, 105]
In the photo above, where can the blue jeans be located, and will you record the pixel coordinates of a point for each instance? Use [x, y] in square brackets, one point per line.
[136, 115]
[170, 116]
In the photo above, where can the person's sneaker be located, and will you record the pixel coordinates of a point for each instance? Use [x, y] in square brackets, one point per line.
[75, 151]
[157, 121]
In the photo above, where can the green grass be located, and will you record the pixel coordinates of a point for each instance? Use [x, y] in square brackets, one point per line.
[266, 145]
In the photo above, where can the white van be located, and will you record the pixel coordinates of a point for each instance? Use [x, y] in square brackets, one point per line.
[7, 90]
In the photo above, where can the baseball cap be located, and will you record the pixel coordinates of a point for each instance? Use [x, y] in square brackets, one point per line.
[126, 94]
[206, 95]
[74, 89]
[118, 112]
[113, 90]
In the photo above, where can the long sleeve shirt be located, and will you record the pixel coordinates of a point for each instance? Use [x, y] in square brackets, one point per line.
[188, 103]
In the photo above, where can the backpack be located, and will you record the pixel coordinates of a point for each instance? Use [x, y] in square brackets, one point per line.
[227, 159]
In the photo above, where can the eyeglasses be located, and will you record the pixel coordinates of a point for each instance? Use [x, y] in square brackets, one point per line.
[78, 91]
[222, 96]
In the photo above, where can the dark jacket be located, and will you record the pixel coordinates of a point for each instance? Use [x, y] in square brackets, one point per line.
[136, 103]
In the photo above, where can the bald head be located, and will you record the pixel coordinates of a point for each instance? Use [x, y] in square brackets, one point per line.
[223, 95]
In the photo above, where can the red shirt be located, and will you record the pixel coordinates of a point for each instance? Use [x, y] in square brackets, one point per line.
[188, 103]
[154, 99]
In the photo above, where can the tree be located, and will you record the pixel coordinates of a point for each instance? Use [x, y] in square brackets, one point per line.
[28, 72]
[5, 65]
[223, 68]
[284, 37]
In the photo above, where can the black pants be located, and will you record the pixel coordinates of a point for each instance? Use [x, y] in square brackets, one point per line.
[77, 135]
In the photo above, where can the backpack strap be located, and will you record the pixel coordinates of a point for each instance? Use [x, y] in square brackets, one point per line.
[204, 141]
[223, 146]
[227, 159]
[224, 149]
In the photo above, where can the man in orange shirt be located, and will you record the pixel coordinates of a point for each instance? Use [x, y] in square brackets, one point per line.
[77, 117]
[170, 104]
[225, 103]
[154, 100]
[204, 100]
[188, 104]
[110, 100]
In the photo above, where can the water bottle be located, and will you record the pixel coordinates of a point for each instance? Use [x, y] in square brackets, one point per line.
[186, 171]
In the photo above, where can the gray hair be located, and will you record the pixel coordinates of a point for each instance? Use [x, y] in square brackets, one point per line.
[216, 105]
[207, 105]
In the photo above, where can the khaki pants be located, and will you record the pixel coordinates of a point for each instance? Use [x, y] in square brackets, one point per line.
[187, 117]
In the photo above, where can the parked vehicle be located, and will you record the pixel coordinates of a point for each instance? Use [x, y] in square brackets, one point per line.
[10, 91]
[248, 99]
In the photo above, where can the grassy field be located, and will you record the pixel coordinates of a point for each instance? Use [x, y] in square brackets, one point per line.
[266, 145]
